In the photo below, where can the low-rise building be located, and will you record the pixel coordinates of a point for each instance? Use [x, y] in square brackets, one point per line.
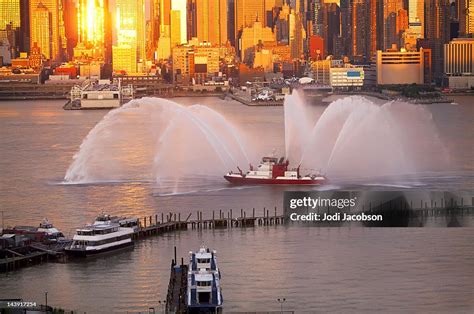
[198, 62]
[346, 77]
[400, 67]
[459, 62]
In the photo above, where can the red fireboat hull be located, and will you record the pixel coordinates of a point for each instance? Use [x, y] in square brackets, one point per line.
[258, 181]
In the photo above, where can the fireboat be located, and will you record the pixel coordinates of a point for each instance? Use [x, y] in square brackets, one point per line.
[274, 171]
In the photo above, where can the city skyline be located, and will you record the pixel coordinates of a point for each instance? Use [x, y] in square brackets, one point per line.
[135, 36]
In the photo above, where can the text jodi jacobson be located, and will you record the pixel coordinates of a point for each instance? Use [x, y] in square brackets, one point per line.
[335, 217]
[336, 203]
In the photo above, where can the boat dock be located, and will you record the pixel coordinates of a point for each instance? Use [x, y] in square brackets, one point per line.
[37, 253]
[154, 225]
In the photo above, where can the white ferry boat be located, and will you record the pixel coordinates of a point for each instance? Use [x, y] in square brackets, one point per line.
[100, 237]
[204, 294]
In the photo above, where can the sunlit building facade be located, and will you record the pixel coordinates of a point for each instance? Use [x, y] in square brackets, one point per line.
[41, 32]
[400, 67]
[466, 17]
[211, 21]
[130, 26]
[459, 57]
[416, 17]
[124, 59]
[9, 13]
[51, 50]
[255, 35]
[246, 13]
[459, 63]
[91, 28]
[175, 28]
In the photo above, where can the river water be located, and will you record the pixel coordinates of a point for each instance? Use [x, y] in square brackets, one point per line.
[315, 269]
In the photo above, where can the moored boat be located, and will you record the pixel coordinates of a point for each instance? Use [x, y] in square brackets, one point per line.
[204, 293]
[274, 171]
[103, 236]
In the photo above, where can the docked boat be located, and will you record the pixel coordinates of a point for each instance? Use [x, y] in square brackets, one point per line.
[51, 232]
[103, 236]
[100, 94]
[204, 293]
[274, 171]
[45, 233]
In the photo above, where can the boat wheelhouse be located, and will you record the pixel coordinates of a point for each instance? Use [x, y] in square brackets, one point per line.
[52, 233]
[131, 222]
[100, 238]
[204, 293]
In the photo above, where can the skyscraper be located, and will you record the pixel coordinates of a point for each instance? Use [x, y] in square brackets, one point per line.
[41, 31]
[164, 41]
[211, 18]
[416, 17]
[332, 26]
[154, 29]
[346, 27]
[130, 25]
[91, 15]
[9, 13]
[317, 17]
[191, 17]
[54, 47]
[390, 7]
[246, 12]
[436, 33]
[466, 17]
[181, 6]
[360, 29]
[175, 28]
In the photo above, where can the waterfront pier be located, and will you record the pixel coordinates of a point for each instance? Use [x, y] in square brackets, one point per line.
[399, 214]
